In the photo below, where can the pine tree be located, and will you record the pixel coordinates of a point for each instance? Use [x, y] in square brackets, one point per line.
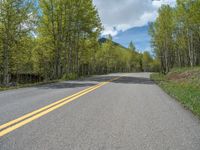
[131, 46]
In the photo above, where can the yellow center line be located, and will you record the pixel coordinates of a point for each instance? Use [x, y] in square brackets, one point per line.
[19, 122]
[43, 108]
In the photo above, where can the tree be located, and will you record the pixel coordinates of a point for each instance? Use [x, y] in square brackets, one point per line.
[162, 37]
[16, 22]
[54, 39]
[187, 31]
[175, 35]
[132, 46]
[66, 29]
[147, 60]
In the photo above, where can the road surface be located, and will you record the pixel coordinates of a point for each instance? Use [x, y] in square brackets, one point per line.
[128, 113]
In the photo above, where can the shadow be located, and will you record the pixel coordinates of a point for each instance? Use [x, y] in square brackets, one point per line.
[100, 78]
[123, 79]
[134, 80]
[63, 85]
[91, 81]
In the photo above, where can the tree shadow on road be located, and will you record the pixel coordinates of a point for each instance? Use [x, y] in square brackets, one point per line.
[134, 80]
[91, 81]
[123, 79]
[63, 85]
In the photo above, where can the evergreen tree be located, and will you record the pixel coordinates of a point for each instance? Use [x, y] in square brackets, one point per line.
[131, 46]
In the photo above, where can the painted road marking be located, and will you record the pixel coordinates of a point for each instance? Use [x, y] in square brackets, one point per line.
[21, 121]
[42, 109]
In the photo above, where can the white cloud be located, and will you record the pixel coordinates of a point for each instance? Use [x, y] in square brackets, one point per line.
[120, 15]
[110, 30]
[158, 3]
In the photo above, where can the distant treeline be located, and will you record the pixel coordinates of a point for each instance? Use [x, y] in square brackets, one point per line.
[176, 35]
[54, 39]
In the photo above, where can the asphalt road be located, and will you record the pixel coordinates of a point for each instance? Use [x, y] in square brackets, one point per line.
[131, 113]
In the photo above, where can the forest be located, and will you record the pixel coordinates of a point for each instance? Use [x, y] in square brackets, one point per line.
[176, 35]
[50, 39]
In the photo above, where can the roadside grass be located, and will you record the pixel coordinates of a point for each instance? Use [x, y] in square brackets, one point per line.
[182, 84]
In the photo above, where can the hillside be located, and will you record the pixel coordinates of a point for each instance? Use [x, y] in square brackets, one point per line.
[104, 40]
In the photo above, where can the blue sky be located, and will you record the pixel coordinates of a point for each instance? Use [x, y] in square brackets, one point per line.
[138, 35]
[127, 20]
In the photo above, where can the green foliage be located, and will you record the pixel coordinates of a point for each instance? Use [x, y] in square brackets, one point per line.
[175, 35]
[113, 58]
[66, 30]
[184, 85]
[17, 20]
[70, 76]
[147, 61]
[155, 65]
[59, 40]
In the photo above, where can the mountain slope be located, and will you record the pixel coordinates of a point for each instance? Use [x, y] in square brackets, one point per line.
[104, 40]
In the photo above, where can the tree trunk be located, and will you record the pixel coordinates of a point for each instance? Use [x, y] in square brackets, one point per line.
[5, 64]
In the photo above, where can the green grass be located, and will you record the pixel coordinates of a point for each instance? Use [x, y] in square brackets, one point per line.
[182, 84]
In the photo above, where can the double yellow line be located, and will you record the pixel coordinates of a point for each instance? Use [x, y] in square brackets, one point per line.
[21, 121]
